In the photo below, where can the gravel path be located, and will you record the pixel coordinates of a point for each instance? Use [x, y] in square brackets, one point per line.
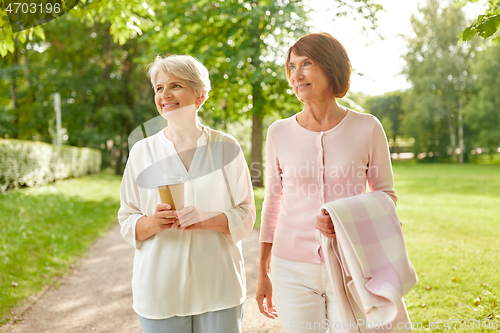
[97, 296]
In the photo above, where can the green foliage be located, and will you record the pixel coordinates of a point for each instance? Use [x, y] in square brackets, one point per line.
[35, 163]
[438, 70]
[45, 229]
[100, 68]
[124, 21]
[388, 109]
[486, 25]
[240, 42]
[482, 113]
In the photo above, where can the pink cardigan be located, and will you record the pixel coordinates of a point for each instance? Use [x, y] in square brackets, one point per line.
[306, 169]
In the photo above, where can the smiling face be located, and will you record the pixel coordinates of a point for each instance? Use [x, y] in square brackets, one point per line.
[172, 93]
[308, 80]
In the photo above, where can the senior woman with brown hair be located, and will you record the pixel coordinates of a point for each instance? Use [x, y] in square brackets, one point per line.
[323, 153]
[188, 274]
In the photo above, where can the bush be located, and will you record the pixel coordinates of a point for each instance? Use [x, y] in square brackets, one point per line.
[29, 163]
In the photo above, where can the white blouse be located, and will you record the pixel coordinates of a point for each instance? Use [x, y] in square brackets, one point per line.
[181, 273]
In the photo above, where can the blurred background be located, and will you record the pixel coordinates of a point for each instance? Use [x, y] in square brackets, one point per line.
[438, 100]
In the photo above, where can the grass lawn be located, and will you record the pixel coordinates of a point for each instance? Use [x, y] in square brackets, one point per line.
[451, 222]
[45, 229]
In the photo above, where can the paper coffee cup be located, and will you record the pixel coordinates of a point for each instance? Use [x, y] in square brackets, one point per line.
[172, 192]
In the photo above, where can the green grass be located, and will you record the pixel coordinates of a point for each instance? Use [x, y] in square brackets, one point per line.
[451, 222]
[45, 229]
[450, 217]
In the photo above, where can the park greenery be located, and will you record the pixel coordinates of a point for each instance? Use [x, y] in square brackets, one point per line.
[450, 222]
[96, 56]
[46, 229]
[449, 214]
[34, 163]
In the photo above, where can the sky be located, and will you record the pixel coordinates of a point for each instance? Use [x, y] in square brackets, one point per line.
[379, 60]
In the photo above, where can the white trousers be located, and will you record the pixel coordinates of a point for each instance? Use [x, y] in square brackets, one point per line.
[304, 297]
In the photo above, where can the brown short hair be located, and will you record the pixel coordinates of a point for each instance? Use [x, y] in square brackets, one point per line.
[331, 57]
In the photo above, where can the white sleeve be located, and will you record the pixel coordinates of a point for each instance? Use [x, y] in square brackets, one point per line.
[129, 211]
[241, 217]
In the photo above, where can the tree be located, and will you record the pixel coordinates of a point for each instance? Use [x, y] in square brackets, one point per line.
[124, 19]
[243, 43]
[240, 42]
[18, 74]
[438, 70]
[388, 109]
[486, 25]
[93, 70]
[482, 112]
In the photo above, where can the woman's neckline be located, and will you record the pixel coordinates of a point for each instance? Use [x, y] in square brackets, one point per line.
[329, 130]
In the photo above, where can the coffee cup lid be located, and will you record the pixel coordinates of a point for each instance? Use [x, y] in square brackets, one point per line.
[172, 180]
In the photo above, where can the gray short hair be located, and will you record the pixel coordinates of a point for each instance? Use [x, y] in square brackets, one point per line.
[183, 67]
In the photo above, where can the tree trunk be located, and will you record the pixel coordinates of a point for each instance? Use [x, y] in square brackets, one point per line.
[119, 159]
[460, 131]
[129, 67]
[453, 137]
[13, 92]
[13, 96]
[395, 148]
[256, 169]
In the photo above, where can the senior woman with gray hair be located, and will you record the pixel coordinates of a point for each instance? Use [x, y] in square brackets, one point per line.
[188, 271]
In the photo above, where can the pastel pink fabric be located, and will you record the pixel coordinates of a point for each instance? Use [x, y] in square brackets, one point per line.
[305, 169]
[368, 263]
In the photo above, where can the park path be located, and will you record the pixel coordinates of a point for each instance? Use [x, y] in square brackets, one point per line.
[97, 296]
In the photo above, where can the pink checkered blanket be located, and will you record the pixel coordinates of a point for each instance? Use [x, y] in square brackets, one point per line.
[368, 264]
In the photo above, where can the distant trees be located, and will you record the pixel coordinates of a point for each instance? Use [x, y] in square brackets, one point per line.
[99, 67]
[388, 108]
[482, 112]
[100, 70]
[438, 69]
[453, 106]
[240, 42]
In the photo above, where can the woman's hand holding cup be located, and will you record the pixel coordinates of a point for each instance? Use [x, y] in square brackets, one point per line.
[164, 217]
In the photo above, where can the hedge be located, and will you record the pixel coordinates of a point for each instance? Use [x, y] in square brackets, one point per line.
[29, 163]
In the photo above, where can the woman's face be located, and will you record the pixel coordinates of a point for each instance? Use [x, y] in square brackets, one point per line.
[308, 80]
[172, 93]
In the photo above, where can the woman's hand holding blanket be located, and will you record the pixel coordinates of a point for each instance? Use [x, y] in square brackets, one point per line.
[325, 225]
